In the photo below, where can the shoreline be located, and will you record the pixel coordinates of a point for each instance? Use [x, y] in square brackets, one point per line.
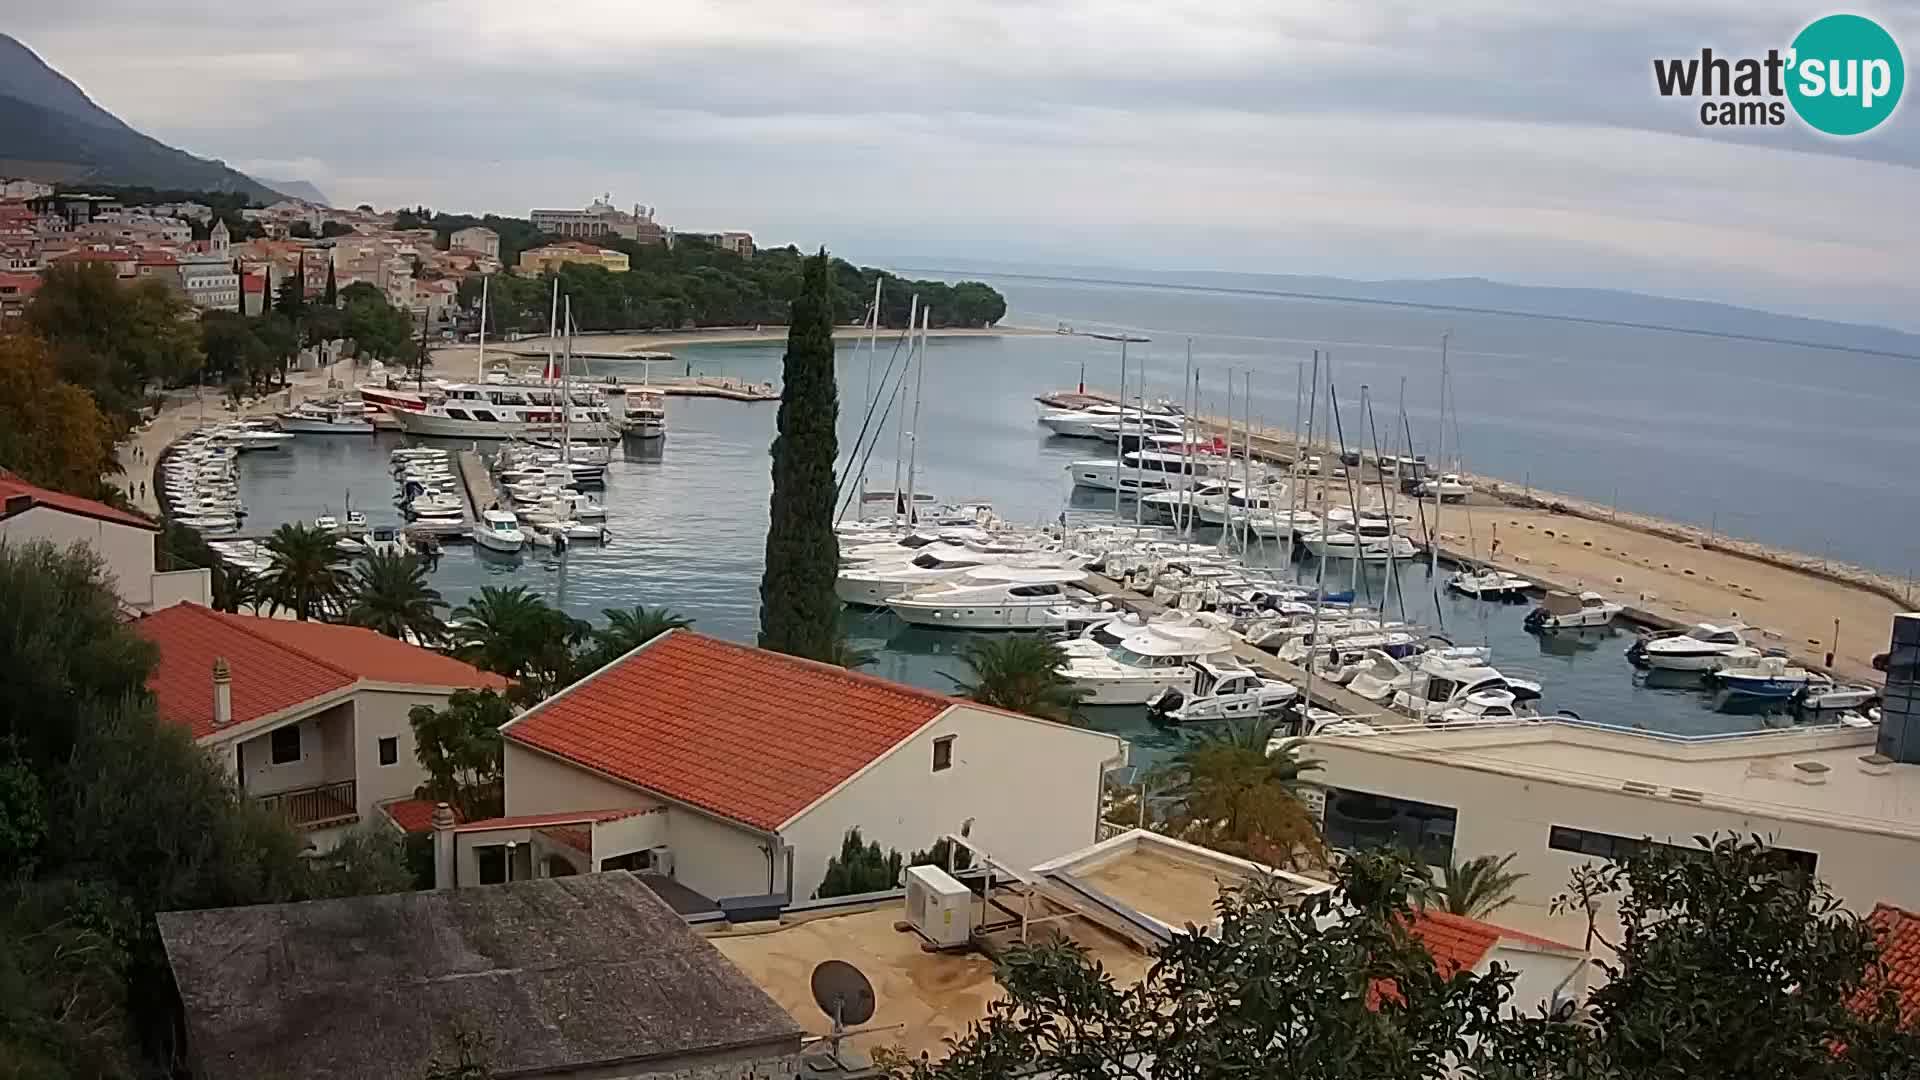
[636, 341]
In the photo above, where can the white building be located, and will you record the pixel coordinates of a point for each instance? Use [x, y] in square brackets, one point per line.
[210, 282]
[1562, 795]
[123, 541]
[310, 717]
[599, 218]
[737, 772]
[12, 189]
[478, 239]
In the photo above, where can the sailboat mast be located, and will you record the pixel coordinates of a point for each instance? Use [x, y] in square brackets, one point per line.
[900, 509]
[1246, 460]
[1301, 480]
[1439, 460]
[919, 387]
[1184, 507]
[480, 363]
[1139, 450]
[566, 392]
[873, 340]
[1120, 445]
[553, 329]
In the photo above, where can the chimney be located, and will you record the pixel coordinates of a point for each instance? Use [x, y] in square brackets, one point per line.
[222, 693]
[1899, 736]
[443, 860]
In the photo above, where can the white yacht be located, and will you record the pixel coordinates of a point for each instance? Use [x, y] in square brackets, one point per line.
[1440, 683]
[1564, 611]
[507, 410]
[1368, 539]
[1146, 662]
[1198, 500]
[437, 507]
[1485, 707]
[327, 523]
[1490, 584]
[1702, 648]
[1148, 470]
[639, 412]
[1449, 487]
[387, 540]
[1110, 430]
[873, 584]
[1084, 423]
[316, 418]
[1220, 688]
[499, 530]
[992, 598]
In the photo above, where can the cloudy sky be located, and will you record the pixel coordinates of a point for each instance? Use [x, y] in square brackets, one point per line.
[1514, 139]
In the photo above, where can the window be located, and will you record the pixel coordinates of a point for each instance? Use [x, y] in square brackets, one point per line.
[457, 414]
[389, 750]
[482, 414]
[943, 753]
[286, 745]
[1359, 821]
[493, 863]
[1608, 846]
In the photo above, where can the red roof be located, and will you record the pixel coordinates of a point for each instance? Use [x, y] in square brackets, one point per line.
[1459, 944]
[12, 486]
[415, 815]
[534, 821]
[1899, 933]
[279, 663]
[749, 735]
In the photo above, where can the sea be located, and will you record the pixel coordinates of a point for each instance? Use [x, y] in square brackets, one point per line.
[1803, 447]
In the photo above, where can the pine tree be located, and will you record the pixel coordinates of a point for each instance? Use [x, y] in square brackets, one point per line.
[332, 295]
[798, 609]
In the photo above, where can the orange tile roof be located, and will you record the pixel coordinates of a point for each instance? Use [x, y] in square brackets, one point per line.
[415, 815]
[1456, 942]
[749, 735]
[1899, 933]
[279, 663]
[11, 486]
[532, 821]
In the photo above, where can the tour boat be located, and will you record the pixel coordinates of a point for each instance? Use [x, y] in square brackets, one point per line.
[640, 412]
[499, 530]
[1490, 584]
[1563, 611]
[1146, 662]
[1220, 688]
[992, 598]
[393, 400]
[1702, 648]
[505, 411]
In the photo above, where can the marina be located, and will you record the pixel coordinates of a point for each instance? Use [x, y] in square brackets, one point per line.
[683, 526]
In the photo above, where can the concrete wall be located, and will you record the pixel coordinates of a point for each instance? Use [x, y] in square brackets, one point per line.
[127, 551]
[1032, 790]
[379, 714]
[172, 587]
[326, 747]
[1498, 814]
[1539, 975]
[539, 783]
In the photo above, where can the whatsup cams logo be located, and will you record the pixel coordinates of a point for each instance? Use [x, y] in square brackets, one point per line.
[1842, 76]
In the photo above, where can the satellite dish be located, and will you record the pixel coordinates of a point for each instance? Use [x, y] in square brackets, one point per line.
[842, 992]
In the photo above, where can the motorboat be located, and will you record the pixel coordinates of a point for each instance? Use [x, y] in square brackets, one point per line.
[356, 522]
[1083, 423]
[1099, 636]
[585, 507]
[1702, 648]
[499, 530]
[1340, 660]
[1484, 707]
[1767, 676]
[870, 549]
[1200, 501]
[351, 545]
[1838, 697]
[573, 530]
[1220, 688]
[993, 598]
[1151, 659]
[1442, 682]
[436, 506]
[873, 584]
[387, 540]
[1490, 584]
[1148, 470]
[1242, 504]
[640, 412]
[313, 418]
[1112, 429]
[1447, 487]
[1367, 539]
[1564, 611]
[327, 523]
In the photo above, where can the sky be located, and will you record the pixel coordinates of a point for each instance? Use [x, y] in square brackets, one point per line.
[1520, 140]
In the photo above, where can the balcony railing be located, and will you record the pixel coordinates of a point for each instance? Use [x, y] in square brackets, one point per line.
[316, 807]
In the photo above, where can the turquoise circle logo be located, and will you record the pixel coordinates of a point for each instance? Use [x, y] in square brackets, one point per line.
[1847, 75]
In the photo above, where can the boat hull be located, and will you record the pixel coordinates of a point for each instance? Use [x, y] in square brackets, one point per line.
[507, 543]
[1128, 689]
[446, 427]
[1688, 661]
[986, 616]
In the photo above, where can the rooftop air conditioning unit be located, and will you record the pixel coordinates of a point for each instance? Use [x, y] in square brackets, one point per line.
[661, 860]
[939, 908]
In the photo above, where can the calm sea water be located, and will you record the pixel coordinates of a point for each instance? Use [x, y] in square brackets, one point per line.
[1791, 446]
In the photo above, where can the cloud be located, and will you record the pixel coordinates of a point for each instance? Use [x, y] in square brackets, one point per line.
[1381, 137]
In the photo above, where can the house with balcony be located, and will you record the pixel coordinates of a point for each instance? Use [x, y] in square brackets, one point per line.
[728, 776]
[309, 717]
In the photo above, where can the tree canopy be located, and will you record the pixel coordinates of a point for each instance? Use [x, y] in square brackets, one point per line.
[51, 431]
[114, 339]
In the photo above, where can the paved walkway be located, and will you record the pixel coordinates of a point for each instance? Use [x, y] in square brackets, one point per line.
[186, 410]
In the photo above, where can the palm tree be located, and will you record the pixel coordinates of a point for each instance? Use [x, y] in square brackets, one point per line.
[628, 630]
[1239, 791]
[303, 575]
[1476, 888]
[389, 593]
[234, 589]
[1022, 674]
[513, 632]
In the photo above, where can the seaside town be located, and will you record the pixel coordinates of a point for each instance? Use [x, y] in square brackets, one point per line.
[448, 645]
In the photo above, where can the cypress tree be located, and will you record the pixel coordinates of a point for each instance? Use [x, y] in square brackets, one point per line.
[798, 609]
[332, 296]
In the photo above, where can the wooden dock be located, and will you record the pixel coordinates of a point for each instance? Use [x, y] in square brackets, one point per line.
[477, 482]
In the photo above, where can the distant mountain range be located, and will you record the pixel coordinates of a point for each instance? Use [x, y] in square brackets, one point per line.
[1610, 306]
[297, 189]
[50, 130]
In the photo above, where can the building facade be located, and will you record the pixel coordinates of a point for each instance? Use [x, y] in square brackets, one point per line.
[553, 256]
[477, 239]
[210, 282]
[123, 541]
[599, 219]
